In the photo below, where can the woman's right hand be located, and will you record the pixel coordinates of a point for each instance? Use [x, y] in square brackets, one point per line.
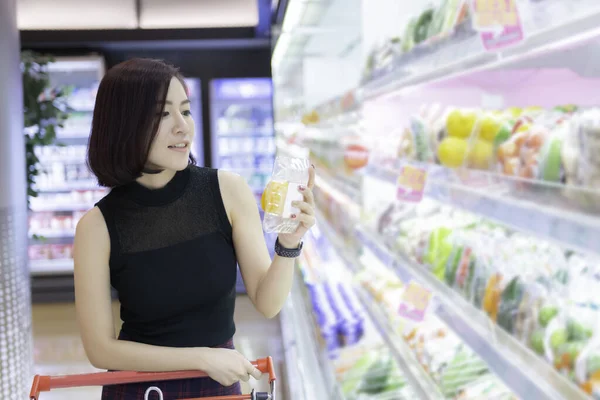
[228, 366]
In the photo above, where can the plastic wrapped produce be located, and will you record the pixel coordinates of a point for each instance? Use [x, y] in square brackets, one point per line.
[281, 191]
[588, 141]
[587, 368]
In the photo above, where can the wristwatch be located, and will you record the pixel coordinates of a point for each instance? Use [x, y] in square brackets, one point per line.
[287, 253]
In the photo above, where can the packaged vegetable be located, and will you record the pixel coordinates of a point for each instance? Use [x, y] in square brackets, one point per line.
[587, 368]
[288, 175]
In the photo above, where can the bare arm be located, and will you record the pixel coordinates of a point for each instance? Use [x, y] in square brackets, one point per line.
[268, 282]
[94, 314]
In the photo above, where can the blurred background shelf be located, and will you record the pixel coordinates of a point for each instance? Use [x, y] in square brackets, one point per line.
[567, 215]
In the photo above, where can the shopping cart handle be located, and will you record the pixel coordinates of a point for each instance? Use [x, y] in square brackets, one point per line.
[44, 383]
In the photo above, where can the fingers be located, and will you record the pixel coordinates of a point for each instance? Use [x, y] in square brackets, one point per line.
[311, 177]
[309, 196]
[252, 371]
[308, 221]
[256, 374]
[306, 208]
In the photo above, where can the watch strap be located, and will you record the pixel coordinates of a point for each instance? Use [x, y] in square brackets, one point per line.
[287, 253]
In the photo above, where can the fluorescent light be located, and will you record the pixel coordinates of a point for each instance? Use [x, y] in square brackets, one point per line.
[281, 49]
[162, 14]
[76, 14]
[293, 16]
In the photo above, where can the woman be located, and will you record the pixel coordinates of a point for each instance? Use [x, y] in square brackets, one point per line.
[167, 237]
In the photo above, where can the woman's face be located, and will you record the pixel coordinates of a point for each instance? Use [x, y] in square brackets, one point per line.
[173, 142]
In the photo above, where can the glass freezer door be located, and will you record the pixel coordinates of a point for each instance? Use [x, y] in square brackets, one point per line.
[242, 134]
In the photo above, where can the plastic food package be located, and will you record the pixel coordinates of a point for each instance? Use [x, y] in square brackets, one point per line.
[588, 135]
[283, 189]
[587, 368]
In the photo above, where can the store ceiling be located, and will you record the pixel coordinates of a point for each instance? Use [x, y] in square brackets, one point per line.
[123, 14]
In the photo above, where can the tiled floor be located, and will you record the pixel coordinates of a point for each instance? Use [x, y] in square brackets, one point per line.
[58, 349]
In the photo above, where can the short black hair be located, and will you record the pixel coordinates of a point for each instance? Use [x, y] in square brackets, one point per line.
[129, 102]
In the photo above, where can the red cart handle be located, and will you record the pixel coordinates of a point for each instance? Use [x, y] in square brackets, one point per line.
[44, 383]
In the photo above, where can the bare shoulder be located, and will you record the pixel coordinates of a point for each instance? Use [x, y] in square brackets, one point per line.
[236, 192]
[230, 181]
[233, 184]
[92, 222]
[92, 231]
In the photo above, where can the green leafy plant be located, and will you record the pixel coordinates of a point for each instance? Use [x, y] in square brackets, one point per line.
[45, 111]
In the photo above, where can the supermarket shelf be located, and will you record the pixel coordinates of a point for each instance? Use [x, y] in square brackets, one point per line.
[563, 35]
[60, 207]
[418, 379]
[75, 135]
[51, 267]
[525, 373]
[69, 186]
[290, 353]
[566, 215]
[76, 140]
[249, 152]
[53, 233]
[309, 369]
[251, 133]
[329, 183]
[251, 170]
[62, 159]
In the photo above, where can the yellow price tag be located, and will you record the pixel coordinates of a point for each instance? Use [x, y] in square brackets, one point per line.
[415, 302]
[411, 183]
[491, 13]
[498, 22]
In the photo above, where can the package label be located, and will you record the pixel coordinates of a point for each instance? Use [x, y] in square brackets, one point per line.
[414, 302]
[279, 197]
[411, 184]
[498, 22]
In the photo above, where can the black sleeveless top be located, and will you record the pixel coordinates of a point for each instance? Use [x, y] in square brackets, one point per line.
[172, 260]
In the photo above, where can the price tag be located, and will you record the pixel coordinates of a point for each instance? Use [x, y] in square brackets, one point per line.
[411, 184]
[498, 22]
[415, 302]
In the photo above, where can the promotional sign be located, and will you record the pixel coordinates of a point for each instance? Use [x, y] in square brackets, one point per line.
[498, 22]
[411, 183]
[415, 302]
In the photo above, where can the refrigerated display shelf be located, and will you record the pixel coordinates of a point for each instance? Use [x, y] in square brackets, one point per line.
[51, 267]
[41, 207]
[536, 207]
[341, 186]
[307, 362]
[251, 170]
[73, 140]
[525, 373]
[53, 233]
[443, 64]
[70, 186]
[372, 338]
[62, 160]
[420, 382]
[74, 135]
[252, 133]
[249, 152]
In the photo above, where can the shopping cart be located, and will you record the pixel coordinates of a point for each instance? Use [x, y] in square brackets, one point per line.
[44, 383]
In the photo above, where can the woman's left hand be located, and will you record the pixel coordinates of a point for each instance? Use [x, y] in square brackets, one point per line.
[306, 217]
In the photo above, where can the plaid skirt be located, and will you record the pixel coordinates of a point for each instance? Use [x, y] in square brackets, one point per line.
[172, 390]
